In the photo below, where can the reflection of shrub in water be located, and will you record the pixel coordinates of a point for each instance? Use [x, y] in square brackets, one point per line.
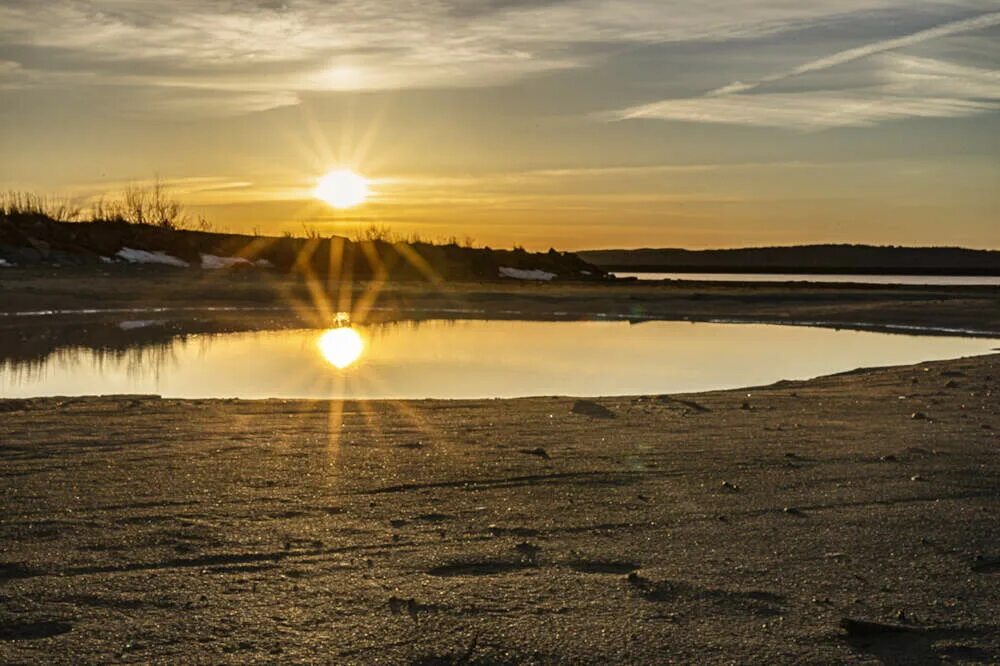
[143, 351]
[145, 359]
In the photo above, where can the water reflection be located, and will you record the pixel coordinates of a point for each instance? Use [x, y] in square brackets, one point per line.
[816, 278]
[452, 359]
[341, 347]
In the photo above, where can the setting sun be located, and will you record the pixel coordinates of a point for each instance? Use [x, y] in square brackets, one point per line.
[342, 188]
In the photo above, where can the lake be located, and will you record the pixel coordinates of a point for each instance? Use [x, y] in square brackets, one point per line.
[927, 280]
[464, 359]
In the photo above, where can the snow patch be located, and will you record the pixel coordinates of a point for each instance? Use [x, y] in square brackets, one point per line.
[6, 264]
[143, 257]
[213, 262]
[138, 323]
[522, 274]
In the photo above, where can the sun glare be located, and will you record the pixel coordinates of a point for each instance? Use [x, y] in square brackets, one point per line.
[342, 188]
[341, 347]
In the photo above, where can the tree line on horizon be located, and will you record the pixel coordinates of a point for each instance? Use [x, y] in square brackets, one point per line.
[801, 258]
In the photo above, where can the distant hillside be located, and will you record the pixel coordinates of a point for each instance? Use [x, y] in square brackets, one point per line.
[803, 259]
[27, 240]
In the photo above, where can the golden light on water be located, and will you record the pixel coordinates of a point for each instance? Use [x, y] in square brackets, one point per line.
[342, 188]
[341, 347]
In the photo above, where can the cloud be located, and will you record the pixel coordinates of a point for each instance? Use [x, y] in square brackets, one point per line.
[842, 57]
[267, 52]
[809, 110]
[893, 87]
[908, 87]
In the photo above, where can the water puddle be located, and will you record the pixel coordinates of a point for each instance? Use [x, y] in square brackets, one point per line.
[451, 359]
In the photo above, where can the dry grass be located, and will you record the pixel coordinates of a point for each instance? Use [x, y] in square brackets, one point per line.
[27, 204]
[136, 204]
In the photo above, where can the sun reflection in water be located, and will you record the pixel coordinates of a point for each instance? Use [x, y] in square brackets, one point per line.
[341, 347]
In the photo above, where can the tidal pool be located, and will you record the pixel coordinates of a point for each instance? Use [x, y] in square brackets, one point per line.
[466, 359]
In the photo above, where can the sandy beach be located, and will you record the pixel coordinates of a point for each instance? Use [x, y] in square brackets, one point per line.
[746, 526]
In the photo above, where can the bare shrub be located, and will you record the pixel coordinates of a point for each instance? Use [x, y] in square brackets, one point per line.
[201, 223]
[140, 204]
[165, 211]
[376, 233]
[112, 210]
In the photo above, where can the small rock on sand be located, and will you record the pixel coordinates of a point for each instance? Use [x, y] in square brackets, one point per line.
[397, 605]
[864, 628]
[592, 409]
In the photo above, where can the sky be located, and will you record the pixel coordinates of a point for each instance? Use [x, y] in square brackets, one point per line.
[568, 123]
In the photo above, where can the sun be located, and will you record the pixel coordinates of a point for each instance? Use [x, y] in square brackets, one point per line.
[342, 188]
[341, 347]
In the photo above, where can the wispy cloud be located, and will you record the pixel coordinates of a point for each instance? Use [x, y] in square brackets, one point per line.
[810, 110]
[903, 87]
[266, 52]
[848, 55]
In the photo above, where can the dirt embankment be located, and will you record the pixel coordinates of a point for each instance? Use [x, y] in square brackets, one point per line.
[848, 519]
[39, 241]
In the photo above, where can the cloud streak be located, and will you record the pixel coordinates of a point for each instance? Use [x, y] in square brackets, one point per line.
[812, 110]
[908, 87]
[848, 55]
[896, 87]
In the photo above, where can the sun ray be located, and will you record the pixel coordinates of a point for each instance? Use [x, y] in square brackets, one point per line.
[373, 287]
[411, 256]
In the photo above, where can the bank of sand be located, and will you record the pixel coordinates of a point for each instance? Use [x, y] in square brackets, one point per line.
[180, 292]
[729, 527]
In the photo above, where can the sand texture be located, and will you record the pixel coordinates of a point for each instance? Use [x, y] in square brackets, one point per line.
[764, 525]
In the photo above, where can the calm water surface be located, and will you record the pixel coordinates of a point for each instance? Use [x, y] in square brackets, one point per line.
[933, 280]
[473, 359]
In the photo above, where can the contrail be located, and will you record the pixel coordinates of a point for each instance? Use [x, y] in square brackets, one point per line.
[841, 57]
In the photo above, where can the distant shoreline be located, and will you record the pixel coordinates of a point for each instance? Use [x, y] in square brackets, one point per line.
[800, 270]
[812, 259]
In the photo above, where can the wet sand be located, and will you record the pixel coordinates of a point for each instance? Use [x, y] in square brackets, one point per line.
[747, 526]
[878, 307]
